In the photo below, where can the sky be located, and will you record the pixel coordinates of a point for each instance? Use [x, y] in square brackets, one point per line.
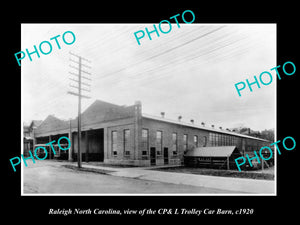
[190, 71]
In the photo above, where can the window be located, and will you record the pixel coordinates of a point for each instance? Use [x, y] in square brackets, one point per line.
[114, 142]
[159, 142]
[214, 139]
[127, 153]
[126, 135]
[210, 138]
[218, 140]
[174, 143]
[126, 142]
[145, 133]
[158, 135]
[196, 140]
[145, 141]
[185, 142]
[205, 141]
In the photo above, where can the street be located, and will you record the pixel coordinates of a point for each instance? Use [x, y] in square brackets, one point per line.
[52, 177]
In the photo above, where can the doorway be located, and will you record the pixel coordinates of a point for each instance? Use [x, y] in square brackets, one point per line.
[166, 156]
[152, 156]
[94, 145]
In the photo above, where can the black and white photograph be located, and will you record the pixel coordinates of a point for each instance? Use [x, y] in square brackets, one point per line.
[150, 111]
[168, 109]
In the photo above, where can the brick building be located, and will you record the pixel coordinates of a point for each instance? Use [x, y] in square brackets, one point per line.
[124, 135]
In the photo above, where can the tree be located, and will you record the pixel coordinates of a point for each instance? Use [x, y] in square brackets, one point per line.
[267, 134]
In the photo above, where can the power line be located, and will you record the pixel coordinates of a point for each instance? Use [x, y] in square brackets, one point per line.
[162, 53]
[142, 75]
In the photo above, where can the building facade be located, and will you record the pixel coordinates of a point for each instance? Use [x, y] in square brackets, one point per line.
[116, 134]
[28, 136]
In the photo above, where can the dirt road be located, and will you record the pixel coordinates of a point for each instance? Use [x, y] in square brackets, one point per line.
[52, 177]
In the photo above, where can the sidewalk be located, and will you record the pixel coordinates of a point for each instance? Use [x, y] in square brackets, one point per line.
[240, 185]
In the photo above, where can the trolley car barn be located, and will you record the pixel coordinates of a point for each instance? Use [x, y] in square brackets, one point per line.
[124, 135]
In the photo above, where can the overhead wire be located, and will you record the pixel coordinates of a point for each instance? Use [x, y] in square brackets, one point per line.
[164, 52]
[151, 69]
[140, 78]
[188, 58]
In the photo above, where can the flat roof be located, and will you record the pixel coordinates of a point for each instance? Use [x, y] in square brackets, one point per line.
[200, 127]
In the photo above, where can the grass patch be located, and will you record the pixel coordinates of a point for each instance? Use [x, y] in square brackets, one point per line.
[217, 172]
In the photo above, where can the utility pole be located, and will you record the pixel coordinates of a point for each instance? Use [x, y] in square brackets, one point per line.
[70, 157]
[79, 93]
